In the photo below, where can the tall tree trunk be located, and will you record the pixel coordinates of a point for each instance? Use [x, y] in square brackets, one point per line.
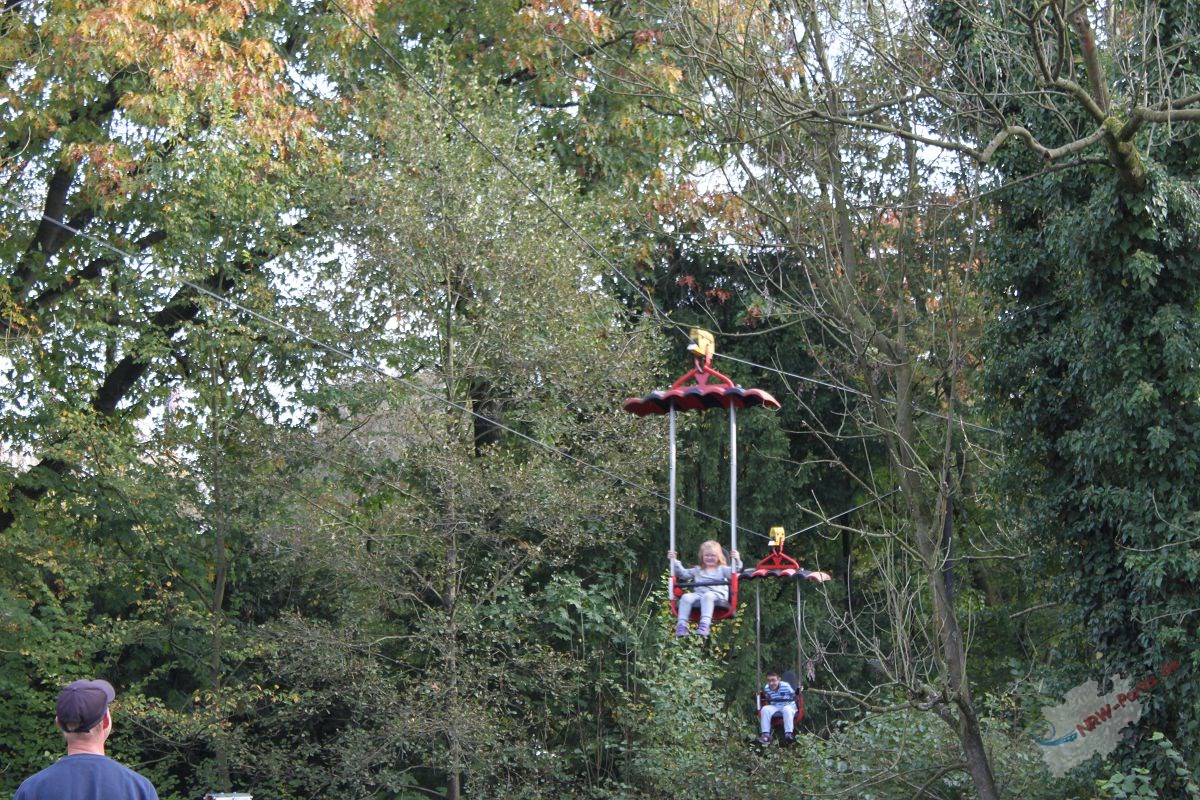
[453, 787]
[929, 532]
[954, 655]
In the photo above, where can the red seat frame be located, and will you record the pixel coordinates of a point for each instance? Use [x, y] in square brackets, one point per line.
[777, 717]
[720, 612]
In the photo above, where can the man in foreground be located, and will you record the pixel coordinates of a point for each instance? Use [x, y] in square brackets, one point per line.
[85, 773]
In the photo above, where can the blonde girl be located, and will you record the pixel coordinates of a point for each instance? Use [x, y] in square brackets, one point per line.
[711, 578]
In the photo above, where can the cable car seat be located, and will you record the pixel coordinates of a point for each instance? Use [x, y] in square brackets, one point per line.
[720, 610]
[790, 678]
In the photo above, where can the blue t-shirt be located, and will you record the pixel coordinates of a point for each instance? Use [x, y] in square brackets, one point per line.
[781, 695]
[86, 777]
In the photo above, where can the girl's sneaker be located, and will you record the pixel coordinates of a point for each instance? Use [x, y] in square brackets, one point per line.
[702, 628]
[681, 628]
[764, 739]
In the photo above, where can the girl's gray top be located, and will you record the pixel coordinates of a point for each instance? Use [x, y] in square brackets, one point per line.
[700, 576]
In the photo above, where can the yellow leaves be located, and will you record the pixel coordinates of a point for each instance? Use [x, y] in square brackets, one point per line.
[736, 20]
[261, 54]
[643, 256]
[363, 14]
[563, 20]
[361, 10]
[671, 74]
[591, 22]
[202, 66]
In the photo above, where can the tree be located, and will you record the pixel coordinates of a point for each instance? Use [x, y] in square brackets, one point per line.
[508, 394]
[1091, 355]
[119, 153]
[139, 403]
[873, 266]
[146, 161]
[131, 122]
[808, 96]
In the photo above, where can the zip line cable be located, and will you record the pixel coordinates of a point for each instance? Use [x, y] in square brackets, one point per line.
[381, 372]
[827, 520]
[375, 369]
[557, 214]
[851, 390]
[658, 313]
[345, 355]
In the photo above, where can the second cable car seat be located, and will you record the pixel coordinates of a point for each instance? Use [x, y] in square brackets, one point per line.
[792, 680]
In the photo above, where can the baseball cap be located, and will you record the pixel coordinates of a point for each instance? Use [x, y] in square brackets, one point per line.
[81, 705]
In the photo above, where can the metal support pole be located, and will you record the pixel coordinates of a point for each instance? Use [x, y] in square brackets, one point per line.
[733, 526]
[671, 502]
[799, 635]
[758, 635]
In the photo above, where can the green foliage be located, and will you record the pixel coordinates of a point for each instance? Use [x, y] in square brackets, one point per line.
[1139, 782]
[297, 609]
[682, 730]
[694, 745]
[1090, 361]
[269, 594]
[1094, 359]
[463, 647]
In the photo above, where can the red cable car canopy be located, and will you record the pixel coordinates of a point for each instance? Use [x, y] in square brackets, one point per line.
[771, 567]
[777, 564]
[700, 396]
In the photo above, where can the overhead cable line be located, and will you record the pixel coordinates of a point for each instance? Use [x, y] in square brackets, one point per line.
[858, 392]
[554, 211]
[840, 514]
[377, 370]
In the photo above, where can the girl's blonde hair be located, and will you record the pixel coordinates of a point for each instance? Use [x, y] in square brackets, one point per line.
[715, 545]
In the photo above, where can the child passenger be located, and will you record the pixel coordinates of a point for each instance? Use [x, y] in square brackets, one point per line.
[780, 699]
[713, 570]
